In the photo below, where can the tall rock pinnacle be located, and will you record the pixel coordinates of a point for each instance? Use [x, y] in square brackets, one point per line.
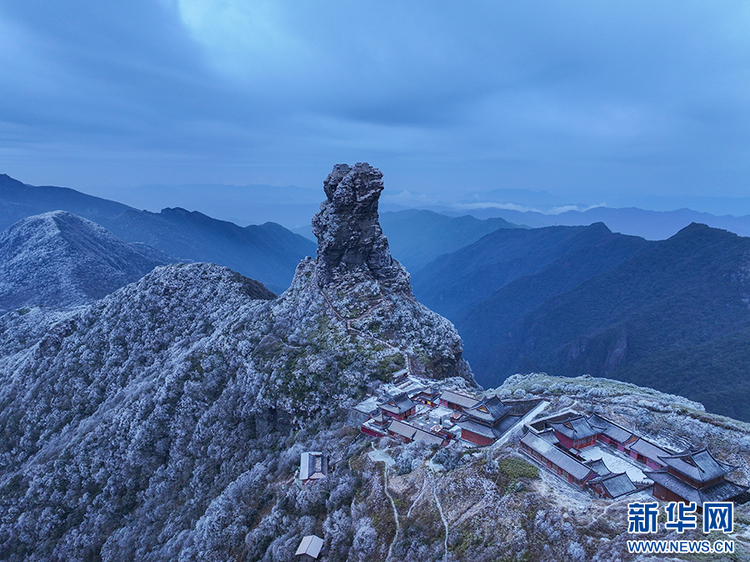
[349, 235]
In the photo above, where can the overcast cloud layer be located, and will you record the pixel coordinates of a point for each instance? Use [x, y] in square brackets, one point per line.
[591, 101]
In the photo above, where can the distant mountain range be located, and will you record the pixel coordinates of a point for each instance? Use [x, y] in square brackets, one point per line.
[60, 259]
[455, 283]
[652, 225]
[418, 237]
[267, 252]
[241, 204]
[521, 199]
[18, 201]
[672, 314]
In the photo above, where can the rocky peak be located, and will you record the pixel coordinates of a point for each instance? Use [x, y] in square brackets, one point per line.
[349, 235]
[361, 294]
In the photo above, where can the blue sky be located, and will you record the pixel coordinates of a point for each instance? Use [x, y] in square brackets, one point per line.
[592, 102]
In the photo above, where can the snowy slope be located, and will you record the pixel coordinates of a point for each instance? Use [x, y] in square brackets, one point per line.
[267, 252]
[60, 259]
[137, 416]
[166, 421]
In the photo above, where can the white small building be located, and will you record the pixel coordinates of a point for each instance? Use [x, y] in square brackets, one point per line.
[312, 466]
[309, 548]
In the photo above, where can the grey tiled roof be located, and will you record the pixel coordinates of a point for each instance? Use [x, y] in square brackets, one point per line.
[617, 484]
[312, 466]
[649, 450]
[506, 423]
[401, 428]
[428, 391]
[722, 491]
[489, 410]
[610, 429]
[598, 466]
[575, 427]
[556, 456]
[700, 466]
[491, 431]
[427, 437]
[397, 404]
[479, 428]
[459, 399]
[549, 436]
[311, 545]
[414, 433]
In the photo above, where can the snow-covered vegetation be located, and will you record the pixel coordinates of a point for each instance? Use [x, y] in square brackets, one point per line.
[149, 424]
[166, 422]
[60, 259]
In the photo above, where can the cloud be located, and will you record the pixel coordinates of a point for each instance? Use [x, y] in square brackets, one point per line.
[556, 210]
[588, 97]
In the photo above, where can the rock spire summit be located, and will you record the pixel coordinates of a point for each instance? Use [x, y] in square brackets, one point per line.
[350, 239]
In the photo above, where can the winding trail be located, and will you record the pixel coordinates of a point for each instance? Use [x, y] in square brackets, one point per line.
[419, 495]
[347, 321]
[603, 514]
[382, 456]
[442, 515]
[395, 512]
[379, 455]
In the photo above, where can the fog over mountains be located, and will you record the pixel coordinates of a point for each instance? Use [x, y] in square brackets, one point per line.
[652, 225]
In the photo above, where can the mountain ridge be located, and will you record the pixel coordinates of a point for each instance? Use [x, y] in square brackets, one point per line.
[453, 283]
[60, 259]
[672, 300]
[262, 252]
[266, 252]
[634, 221]
[495, 316]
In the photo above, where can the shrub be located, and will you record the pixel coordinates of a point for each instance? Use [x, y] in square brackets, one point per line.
[515, 468]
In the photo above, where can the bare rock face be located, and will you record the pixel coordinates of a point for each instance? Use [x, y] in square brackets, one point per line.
[349, 235]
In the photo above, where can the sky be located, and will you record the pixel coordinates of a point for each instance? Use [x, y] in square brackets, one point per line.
[590, 102]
